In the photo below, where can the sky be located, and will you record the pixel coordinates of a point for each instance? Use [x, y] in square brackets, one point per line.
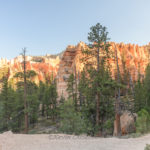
[49, 26]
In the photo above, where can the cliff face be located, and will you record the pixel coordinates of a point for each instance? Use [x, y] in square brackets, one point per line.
[134, 57]
[69, 64]
[43, 66]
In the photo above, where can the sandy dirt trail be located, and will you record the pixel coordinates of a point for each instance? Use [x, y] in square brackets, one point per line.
[11, 141]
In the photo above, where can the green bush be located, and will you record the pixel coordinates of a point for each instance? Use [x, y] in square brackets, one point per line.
[71, 121]
[143, 122]
[147, 147]
[108, 127]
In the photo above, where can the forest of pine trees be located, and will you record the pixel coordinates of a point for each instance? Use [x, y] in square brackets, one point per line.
[95, 101]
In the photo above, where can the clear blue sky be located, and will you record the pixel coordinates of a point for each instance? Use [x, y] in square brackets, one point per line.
[48, 26]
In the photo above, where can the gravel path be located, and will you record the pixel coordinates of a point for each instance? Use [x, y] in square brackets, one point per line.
[9, 141]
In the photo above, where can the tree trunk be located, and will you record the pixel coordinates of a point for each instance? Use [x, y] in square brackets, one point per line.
[98, 94]
[117, 105]
[131, 85]
[43, 110]
[76, 89]
[117, 129]
[97, 109]
[25, 92]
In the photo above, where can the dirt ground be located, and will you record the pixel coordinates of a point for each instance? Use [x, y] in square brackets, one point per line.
[9, 141]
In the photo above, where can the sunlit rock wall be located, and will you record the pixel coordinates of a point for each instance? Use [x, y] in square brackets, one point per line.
[133, 56]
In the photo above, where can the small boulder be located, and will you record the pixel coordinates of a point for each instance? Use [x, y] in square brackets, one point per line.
[127, 123]
[8, 133]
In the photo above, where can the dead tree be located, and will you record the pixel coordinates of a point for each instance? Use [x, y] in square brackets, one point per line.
[25, 92]
[118, 101]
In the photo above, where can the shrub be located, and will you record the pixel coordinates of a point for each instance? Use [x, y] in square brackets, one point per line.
[147, 147]
[143, 121]
[108, 127]
[37, 59]
[71, 121]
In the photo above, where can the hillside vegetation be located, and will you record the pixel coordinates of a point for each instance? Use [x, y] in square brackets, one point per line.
[96, 100]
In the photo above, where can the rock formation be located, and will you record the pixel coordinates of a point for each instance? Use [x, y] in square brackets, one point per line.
[70, 63]
[134, 57]
[43, 66]
[127, 123]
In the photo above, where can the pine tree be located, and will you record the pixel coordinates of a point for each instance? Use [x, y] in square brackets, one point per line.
[25, 78]
[25, 91]
[71, 88]
[97, 55]
[142, 95]
[41, 92]
[82, 87]
[49, 98]
[6, 103]
[125, 75]
[118, 101]
[147, 87]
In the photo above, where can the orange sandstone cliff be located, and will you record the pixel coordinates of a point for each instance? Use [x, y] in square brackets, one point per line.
[134, 57]
[43, 65]
[61, 66]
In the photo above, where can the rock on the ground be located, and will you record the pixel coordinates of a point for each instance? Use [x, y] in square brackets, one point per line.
[8, 133]
[127, 123]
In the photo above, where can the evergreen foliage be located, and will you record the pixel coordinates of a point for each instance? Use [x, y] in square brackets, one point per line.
[87, 90]
[147, 147]
[71, 88]
[142, 94]
[71, 121]
[12, 105]
[143, 122]
[96, 86]
[91, 105]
